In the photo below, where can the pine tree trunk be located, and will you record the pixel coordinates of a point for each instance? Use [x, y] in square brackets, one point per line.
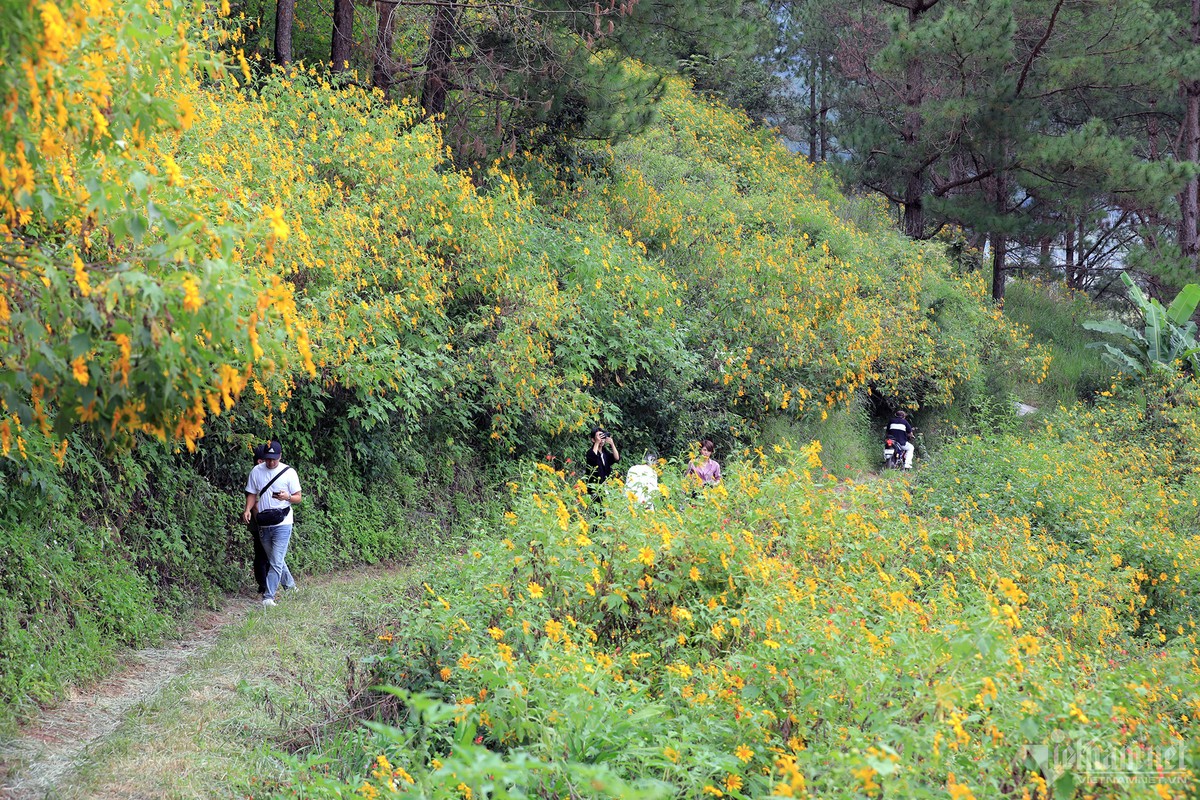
[824, 135]
[1069, 260]
[1152, 215]
[999, 242]
[438, 60]
[999, 256]
[285, 11]
[914, 207]
[813, 112]
[914, 190]
[381, 76]
[1189, 201]
[1080, 254]
[343, 30]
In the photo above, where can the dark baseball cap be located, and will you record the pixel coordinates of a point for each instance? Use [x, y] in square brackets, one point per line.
[273, 452]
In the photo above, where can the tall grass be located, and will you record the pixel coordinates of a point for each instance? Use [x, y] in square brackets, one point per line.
[1055, 317]
[849, 443]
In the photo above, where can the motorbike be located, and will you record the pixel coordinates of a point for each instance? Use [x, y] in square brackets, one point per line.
[893, 454]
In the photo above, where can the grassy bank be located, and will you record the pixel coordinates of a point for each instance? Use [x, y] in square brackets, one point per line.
[274, 682]
[119, 551]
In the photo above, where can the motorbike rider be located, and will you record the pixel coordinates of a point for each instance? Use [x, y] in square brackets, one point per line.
[899, 429]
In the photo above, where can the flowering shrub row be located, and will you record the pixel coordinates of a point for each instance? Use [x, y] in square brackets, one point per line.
[122, 304]
[783, 635]
[237, 236]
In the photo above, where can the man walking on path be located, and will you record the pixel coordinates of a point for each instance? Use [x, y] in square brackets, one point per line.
[273, 488]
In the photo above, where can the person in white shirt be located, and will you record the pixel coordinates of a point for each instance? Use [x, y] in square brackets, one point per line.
[273, 488]
[642, 481]
[899, 429]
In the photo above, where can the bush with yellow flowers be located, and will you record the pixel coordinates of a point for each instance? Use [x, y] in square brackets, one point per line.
[792, 297]
[513, 306]
[779, 635]
[122, 304]
[521, 301]
[1116, 479]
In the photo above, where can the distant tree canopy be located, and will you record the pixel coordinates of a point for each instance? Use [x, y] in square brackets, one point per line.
[1063, 133]
[503, 74]
[1056, 135]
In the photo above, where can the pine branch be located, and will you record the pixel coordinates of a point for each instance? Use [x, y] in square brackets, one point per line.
[1038, 48]
[942, 189]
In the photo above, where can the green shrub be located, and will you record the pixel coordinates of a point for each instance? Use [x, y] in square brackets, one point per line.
[68, 604]
[111, 551]
[1054, 317]
[1108, 480]
[778, 635]
[851, 440]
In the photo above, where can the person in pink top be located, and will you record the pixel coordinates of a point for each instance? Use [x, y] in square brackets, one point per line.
[706, 468]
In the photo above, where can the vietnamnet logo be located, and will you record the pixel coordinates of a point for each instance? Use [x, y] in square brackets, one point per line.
[1066, 760]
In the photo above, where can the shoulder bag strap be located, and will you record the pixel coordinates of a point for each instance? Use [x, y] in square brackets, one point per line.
[277, 476]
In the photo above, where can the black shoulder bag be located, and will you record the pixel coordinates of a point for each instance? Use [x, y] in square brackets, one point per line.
[272, 516]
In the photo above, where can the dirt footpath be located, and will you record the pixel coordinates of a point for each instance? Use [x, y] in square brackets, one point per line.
[40, 761]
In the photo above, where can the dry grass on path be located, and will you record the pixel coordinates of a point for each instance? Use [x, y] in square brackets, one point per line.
[199, 717]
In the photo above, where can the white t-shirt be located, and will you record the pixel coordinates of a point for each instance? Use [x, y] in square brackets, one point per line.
[260, 476]
[641, 481]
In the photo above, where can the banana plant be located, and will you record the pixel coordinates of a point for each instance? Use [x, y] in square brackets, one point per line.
[1169, 335]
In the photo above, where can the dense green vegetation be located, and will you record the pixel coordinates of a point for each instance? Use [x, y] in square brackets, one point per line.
[786, 635]
[410, 331]
[112, 552]
[1066, 141]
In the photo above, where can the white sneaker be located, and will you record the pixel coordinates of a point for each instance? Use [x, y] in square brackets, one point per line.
[268, 602]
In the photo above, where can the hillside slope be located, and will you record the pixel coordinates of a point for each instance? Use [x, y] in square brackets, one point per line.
[239, 256]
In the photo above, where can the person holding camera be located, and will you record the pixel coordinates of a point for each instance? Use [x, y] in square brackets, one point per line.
[271, 491]
[601, 456]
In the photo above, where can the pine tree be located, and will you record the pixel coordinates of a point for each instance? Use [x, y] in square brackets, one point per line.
[341, 40]
[804, 56]
[1001, 117]
[1189, 89]
[285, 12]
[500, 73]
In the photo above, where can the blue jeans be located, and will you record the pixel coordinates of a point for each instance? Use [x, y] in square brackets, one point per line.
[275, 541]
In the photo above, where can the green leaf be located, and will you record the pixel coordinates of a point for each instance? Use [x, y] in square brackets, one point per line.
[138, 227]
[1156, 331]
[139, 181]
[80, 344]
[1122, 361]
[1184, 304]
[1064, 787]
[1114, 327]
[465, 733]
[48, 202]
